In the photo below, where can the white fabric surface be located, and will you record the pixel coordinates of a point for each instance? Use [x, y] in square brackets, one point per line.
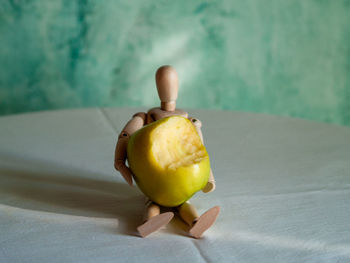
[283, 185]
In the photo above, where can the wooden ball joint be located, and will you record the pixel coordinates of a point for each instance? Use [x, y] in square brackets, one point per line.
[167, 86]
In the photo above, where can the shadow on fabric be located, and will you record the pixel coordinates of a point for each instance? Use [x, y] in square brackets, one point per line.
[44, 186]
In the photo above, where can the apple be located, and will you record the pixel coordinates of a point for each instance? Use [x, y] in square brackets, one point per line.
[169, 161]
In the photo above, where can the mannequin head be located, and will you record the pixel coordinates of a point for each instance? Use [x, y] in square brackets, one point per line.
[167, 86]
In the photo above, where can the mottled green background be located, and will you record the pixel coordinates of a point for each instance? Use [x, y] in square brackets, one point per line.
[285, 57]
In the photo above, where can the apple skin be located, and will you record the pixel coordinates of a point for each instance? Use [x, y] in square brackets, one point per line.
[166, 187]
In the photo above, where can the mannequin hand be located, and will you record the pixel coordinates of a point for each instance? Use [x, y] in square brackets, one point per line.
[209, 187]
[125, 172]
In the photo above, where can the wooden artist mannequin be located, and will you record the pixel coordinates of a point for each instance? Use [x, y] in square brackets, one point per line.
[167, 86]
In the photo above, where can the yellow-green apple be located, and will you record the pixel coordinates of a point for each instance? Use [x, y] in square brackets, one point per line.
[168, 160]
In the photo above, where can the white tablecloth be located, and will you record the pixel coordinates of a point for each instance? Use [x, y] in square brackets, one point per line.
[283, 185]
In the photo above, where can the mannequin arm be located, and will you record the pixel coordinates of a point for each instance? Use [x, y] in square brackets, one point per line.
[136, 123]
[211, 182]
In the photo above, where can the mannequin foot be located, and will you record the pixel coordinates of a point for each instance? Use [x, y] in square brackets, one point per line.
[155, 223]
[204, 222]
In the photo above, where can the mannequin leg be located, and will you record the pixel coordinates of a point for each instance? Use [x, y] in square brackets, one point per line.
[188, 213]
[153, 220]
[151, 210]
[198, 224]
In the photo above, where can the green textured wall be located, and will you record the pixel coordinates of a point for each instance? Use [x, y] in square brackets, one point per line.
[289, 57]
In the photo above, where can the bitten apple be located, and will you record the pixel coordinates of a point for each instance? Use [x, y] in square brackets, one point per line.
[168, 160]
